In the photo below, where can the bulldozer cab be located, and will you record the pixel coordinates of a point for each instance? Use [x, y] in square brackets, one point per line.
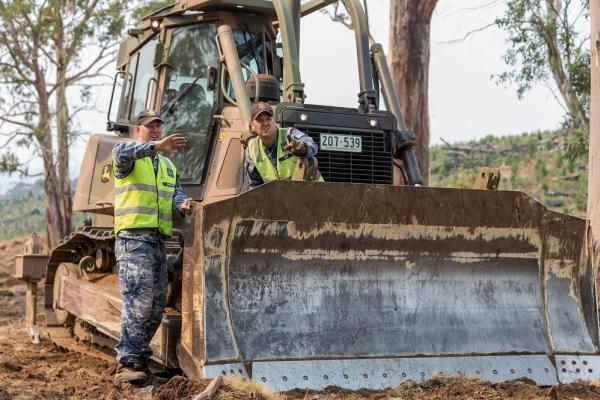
[175, 63]
[175, 69]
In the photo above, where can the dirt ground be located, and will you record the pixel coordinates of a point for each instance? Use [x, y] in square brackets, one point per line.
[32, 372]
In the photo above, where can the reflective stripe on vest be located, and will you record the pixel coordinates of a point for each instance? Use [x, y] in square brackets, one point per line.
[144, 199]
[286, 162]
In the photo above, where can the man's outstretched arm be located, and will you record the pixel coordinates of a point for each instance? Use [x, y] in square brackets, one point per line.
[125, 153]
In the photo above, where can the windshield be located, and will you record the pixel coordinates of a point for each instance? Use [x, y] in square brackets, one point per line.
[251, 48]
[189, 102]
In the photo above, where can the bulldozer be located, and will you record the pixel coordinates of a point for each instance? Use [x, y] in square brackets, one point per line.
[366, 280]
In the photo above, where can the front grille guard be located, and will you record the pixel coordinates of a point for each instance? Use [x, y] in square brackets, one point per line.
[372, 166]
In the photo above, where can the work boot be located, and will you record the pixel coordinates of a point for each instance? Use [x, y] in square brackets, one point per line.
[142, 366]
[128, 374]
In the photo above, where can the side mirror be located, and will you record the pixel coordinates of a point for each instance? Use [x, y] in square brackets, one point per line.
[159, 54]
[212, 77]
[118, 84]
[278, 61]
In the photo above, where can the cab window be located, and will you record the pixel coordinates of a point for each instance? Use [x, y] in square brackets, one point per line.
[143, 75]
[187, 105]
[251, 48]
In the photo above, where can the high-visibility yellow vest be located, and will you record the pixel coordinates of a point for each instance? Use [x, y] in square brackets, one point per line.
[144, 199]
[286, 161]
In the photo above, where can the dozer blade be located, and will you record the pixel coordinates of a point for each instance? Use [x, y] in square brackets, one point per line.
[308, 285]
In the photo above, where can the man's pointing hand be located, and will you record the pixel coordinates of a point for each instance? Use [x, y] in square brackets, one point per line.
[171, 143]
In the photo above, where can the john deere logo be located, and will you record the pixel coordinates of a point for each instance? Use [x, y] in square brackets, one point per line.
[106, 173]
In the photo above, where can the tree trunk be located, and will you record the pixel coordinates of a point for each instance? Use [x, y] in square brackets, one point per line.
[55, 230]
[62, 127]
[55, 223]
[593, 202]
[410, 23]
[574, 106]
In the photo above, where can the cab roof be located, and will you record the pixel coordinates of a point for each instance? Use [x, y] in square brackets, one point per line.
[264, 7]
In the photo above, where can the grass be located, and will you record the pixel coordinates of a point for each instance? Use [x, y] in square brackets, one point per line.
[253, 387]
[405, 389]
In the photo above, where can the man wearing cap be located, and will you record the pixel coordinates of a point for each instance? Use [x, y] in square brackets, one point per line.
[147, 192]
[274, 153]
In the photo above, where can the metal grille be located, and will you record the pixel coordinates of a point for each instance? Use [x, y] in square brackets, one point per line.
[373, 165]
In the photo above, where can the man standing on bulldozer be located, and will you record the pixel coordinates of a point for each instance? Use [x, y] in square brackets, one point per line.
[277, 153]
[147, 191]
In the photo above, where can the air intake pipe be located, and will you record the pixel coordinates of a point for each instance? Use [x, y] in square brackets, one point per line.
[228, 50]
[288, 15]
[404, 141]
[368, 96]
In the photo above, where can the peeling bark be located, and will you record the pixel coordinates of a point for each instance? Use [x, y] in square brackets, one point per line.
[65, 202]
[557, 67]
[410, 23]
[593, 202]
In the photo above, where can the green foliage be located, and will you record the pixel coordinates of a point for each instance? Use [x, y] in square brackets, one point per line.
[47, 50]
[576, 140]
[25, 215]
[25, 210]
[514, 172]
[531, 148]
[9, 162]
[525, 165]
[559, 159]
[571, 165]
[52, 52]
[581, 201]
[549, 42]
[150, 7]
[540, 169]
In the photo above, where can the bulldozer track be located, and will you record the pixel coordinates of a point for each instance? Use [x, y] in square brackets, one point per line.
[68, 344]
[77, 335]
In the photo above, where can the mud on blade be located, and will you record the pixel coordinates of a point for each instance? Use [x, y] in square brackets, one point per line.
[299, 273]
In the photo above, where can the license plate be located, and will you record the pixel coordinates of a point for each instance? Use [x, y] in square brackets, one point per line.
[349, 143]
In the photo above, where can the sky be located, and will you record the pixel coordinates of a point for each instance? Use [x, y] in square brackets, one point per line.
[464, 102]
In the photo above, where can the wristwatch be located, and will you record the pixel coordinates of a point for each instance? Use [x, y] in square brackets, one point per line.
[153, 146]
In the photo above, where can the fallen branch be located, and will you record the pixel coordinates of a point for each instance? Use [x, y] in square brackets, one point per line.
[210, 390]
[463, 149]
[563, 194]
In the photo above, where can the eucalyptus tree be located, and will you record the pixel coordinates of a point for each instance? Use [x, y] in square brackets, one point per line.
[549, 43]
[410, 39]
[48, 50]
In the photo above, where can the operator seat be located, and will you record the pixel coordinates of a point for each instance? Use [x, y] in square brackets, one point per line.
[268, 88]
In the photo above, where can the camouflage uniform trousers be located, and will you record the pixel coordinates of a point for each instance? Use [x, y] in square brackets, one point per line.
[143, 278]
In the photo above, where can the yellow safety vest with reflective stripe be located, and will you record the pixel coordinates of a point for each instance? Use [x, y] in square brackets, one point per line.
[286, 161]
[144, 199]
